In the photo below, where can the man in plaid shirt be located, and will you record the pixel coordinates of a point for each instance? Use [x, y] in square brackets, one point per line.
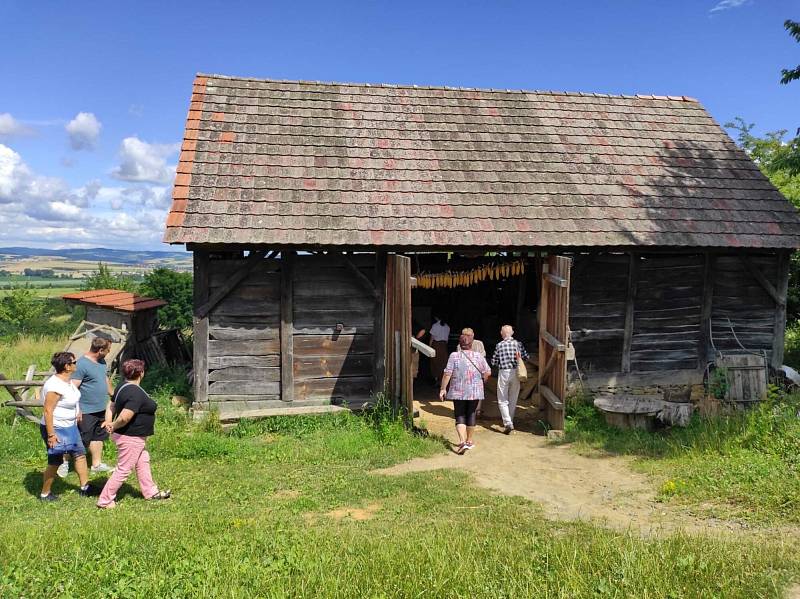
[505, 358]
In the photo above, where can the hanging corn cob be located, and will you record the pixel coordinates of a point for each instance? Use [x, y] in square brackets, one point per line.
[466, 278]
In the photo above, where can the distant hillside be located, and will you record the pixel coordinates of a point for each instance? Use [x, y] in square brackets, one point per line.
[98, 255]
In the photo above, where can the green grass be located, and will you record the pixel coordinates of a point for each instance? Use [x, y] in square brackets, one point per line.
[257, 512]
[743, 466]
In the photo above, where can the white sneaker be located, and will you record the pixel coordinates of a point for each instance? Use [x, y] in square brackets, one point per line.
[63, 470]
[102, 467]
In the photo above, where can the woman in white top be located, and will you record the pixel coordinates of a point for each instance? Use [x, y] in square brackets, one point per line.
[440, 331]
[59, 425]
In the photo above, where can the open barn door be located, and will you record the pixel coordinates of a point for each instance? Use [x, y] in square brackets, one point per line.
[397, 333]
[554, 339]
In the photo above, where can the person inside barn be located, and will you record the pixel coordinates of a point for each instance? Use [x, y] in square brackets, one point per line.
[440, 332]
[134, 421]
[506, 356]
[419, 332]
[466, 372]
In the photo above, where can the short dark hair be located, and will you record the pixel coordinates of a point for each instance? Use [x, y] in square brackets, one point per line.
[99, 343]
[61, 359]
[132, 369]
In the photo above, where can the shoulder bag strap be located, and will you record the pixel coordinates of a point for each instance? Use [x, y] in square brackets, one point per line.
[120, 388]
[463, 353]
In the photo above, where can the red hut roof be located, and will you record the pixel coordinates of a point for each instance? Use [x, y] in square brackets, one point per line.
[113, 299]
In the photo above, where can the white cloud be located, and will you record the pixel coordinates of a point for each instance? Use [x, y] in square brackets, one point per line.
[46, 211]
[11, 127]
[83, 131]
[145, 162]
[728, 4]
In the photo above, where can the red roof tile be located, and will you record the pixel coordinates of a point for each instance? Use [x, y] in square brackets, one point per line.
[308, 163]
[114, 299]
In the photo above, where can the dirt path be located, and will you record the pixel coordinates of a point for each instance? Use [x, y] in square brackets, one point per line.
[568, 486]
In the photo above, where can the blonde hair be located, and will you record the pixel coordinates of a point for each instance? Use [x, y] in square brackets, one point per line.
[506, 331]
[467, 331]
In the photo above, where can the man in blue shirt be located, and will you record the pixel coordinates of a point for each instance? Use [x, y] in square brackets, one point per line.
[91, 377]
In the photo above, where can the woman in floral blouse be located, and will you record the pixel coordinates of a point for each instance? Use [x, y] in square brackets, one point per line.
[466, 371]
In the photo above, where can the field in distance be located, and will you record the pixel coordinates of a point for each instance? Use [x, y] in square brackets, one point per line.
[56, 272]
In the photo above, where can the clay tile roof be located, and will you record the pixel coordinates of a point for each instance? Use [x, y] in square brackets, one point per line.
[325, 164]
[124, 301]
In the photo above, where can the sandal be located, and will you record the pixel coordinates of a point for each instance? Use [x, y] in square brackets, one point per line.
[460, 448]
[161, 495]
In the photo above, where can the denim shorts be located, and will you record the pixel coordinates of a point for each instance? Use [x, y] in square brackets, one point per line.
[69, 441]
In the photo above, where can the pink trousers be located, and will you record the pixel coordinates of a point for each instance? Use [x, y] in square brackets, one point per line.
[131, 455]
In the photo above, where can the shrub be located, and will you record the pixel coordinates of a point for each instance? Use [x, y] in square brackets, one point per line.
[176, 289]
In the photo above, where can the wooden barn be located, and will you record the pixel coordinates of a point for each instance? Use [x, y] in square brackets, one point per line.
[632, 224]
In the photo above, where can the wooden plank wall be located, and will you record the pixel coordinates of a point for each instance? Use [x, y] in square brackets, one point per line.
[667, 312]
[597, 305]
[244, 339]
[674, 297]
[738, 296]
[329, 365]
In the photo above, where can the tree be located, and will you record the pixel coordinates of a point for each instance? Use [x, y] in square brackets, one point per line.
[788, 75]
[20, 310]
[103, 278]
[770, 154]
[173, 287]
[789, 159]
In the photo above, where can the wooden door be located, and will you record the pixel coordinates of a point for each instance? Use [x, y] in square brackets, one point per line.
[397, 334]
[554, 339]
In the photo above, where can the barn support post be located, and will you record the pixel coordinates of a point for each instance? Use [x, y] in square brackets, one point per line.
[379, 343]
[287, 326]
[782, 290]
[627, 340]
[200, 328]
[705, 310]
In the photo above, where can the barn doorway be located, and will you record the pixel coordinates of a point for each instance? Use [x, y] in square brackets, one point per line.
[482, 292]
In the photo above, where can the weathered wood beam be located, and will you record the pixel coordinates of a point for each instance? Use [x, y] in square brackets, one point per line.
[287, 326]
[422, 348]
[253, 260]
[779, 331]
[627, 340]
[548, 367]
[556, 280]
[764, 282]
[360, 277]
[379, 341]
[706, 309]
[551, 397]
[200, 328]
[596, 334]
[597, 380]
[555, 343]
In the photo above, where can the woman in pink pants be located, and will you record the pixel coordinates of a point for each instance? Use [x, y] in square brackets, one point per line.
[134, 420]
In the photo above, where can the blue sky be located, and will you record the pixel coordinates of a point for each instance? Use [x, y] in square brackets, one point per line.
[93, 95]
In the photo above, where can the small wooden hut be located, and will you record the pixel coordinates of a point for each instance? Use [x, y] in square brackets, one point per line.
[646, 236]
[130, 322]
